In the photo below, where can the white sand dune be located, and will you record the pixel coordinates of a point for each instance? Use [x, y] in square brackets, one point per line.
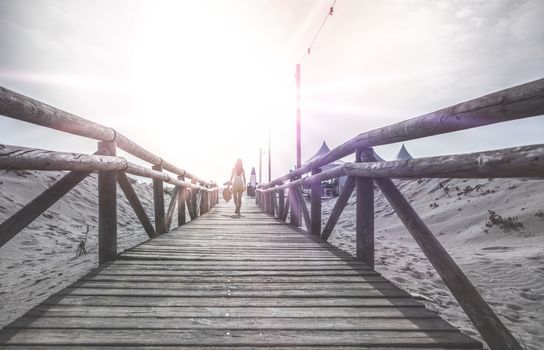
[41, 259]
[505, 264]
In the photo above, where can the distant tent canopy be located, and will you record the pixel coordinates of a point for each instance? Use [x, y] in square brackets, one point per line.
[324, 149]
[403, 154]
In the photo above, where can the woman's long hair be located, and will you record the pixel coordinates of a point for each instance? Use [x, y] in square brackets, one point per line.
[238, 167]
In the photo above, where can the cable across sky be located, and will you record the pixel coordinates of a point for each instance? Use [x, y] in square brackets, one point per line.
[309, 49]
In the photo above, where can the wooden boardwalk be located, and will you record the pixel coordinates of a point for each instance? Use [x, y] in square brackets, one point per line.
[231, 282]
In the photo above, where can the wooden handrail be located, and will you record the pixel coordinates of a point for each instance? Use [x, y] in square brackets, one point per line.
[521, 101]
[20, 107]
[525, 161]
[22, 158]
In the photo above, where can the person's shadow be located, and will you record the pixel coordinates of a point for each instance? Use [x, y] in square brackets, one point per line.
[236, 216]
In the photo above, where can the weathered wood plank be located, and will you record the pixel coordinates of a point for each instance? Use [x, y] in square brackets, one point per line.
[254, 323]
[191, 311]
[138, 337]
[101, 300]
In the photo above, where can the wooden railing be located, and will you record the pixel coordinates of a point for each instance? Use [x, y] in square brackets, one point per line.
[518, 102]
[195, 197]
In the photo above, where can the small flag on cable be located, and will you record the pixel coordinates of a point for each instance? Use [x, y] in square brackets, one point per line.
[331, 10]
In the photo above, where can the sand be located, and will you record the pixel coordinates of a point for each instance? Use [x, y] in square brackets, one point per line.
[505, 264]
[41, 259]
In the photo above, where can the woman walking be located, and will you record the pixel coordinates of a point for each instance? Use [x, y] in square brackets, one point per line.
[238, 182]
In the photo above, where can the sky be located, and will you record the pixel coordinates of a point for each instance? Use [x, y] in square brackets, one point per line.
[202, 83]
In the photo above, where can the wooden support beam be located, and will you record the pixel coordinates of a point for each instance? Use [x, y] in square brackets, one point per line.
[339, 206]
[158, 200]
[315, 205]
[364, 218]
[107, 208]
[480, 313]
[135, 203]
[303, 208]
[22, 218]
[181, 203]
[190, 206]
[171, 208]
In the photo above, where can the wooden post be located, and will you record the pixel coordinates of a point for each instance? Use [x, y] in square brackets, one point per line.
[181, 203]
[194, 202]
[158, 200]
[364, 214]
[281, 204]
[315, 204]
[134, 201]
[107, 208]
[480, 313]
[203, 195]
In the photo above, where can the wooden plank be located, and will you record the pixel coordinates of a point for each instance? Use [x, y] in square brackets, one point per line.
[107, 208]
[171, 208]
[135, 203]
[480, 313]
[234, 312]
[364, 219]
[225, 292]
[24, 216]
[138, 337]
[101, 300]
[253, 323]
[338, 208]
[158, 202]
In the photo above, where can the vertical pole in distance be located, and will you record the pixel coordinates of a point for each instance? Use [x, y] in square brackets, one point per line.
[181, 203]
[158, 200]
[107, 208]
[365, 213]
[315, 203]
[260, 165]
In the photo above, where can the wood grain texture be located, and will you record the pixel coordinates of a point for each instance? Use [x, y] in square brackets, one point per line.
[107, 208]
